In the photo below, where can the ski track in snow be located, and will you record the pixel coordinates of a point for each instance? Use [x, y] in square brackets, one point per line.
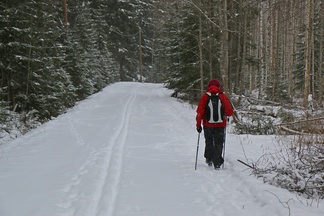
[106, 190]
[108, 186]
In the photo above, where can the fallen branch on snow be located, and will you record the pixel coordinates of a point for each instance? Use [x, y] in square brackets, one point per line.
[248, 165]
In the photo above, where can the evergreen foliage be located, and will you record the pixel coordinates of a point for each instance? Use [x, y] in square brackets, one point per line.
[182, 50]
[181, 42]
[47, 65]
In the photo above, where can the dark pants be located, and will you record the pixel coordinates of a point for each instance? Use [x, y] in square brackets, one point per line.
[214, 139]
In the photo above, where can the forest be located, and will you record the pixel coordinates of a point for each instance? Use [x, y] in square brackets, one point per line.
[56, 53]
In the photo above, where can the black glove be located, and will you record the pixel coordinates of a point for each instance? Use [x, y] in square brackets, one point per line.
[199, 129]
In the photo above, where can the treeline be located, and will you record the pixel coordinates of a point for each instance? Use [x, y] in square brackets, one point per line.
[51, 57]
[273, 48]
[55, 53]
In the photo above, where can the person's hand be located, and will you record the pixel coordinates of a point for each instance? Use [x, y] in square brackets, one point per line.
[199, 129]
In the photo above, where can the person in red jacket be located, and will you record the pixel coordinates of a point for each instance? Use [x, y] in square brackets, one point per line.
[214, 132]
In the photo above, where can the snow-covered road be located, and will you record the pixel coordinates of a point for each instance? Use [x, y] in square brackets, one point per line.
[130, 150]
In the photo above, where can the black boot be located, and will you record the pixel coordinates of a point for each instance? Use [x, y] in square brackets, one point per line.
[218, 163]
[209, 162]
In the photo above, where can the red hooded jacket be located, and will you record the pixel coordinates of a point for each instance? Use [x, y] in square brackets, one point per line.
[213, 87]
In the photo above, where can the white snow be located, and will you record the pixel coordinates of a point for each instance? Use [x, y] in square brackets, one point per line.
[130, 150]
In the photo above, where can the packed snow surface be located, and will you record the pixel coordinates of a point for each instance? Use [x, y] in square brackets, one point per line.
[130, 150]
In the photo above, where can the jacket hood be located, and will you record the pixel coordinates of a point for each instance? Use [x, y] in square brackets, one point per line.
[214, 89]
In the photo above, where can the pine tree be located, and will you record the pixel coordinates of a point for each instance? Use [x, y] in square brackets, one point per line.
[182, 50]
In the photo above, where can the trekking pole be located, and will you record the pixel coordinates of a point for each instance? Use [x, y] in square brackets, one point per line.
[197, 151]
[224, 147]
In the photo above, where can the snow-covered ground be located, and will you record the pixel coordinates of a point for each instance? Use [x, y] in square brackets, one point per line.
[130, 150]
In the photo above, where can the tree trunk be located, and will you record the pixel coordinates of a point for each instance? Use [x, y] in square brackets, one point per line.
[312, 48]
[65, 12]
[224, 46]
[320, 60]
[239, 60]
[263, 43]
[243, 67]
[211, 40]
[291, 50]
[140, 55]
[201, 54]
[274, 50]
[254, 54]
[307, 52]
